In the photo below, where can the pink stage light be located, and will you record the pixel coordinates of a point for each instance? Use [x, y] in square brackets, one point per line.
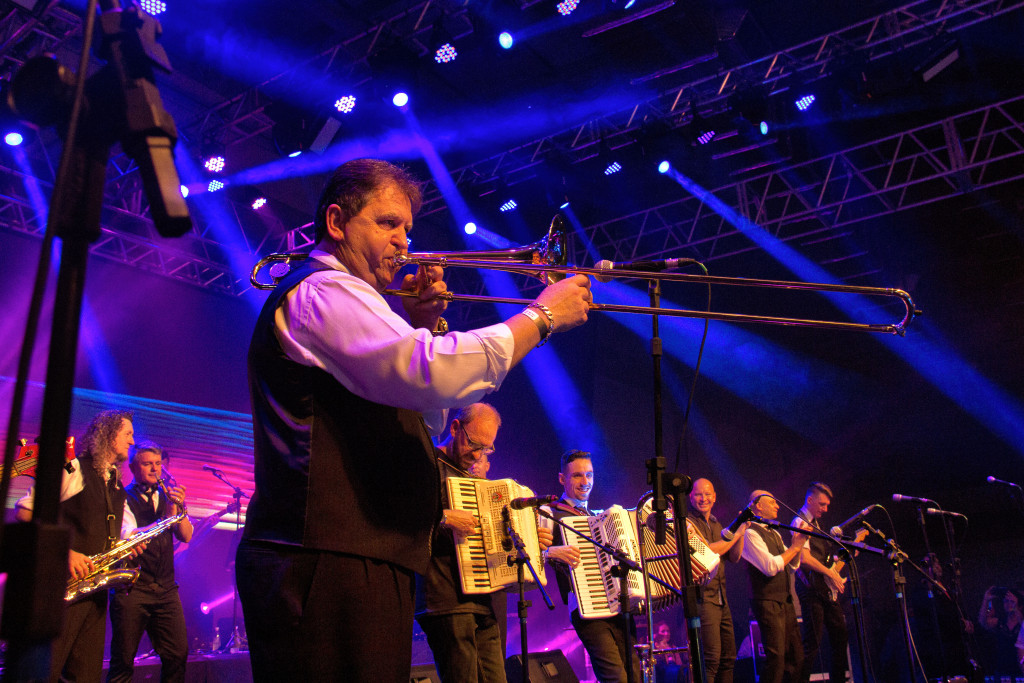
[205, 607]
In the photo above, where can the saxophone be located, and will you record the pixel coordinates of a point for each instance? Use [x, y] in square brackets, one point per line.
[106, 574]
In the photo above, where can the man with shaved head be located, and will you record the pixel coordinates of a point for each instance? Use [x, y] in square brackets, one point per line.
[770, 565]
[716, 629]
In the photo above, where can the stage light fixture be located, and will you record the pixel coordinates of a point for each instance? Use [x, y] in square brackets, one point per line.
[508, 205]
[703, 132]
[506, 40]
[664, 166]
[751, 110]
[445, 54]
[613, 167]
[804, 102]
[940, 58]
[470, 228]
[566, 7]
[400, 99]
[184, 190]
[214, 164]
[14, 138]
[215, 185]
[259, 203]
[345, 104]
[153, 7]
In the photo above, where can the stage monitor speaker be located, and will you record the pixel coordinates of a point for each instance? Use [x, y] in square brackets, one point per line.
[545, 667]
[424, 673]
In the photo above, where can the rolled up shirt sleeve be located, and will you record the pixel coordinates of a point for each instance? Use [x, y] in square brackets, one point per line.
[756, 553]
[340, 324]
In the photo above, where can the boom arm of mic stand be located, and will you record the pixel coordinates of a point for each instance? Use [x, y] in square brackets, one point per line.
[523, 557]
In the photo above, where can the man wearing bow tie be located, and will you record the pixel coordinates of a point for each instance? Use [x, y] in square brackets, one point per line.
[602, 638]
[152, 604]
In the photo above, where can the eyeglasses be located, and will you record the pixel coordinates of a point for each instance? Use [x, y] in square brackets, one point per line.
[474, 446]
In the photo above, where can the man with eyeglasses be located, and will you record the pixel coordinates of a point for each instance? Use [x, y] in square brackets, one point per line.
[464, 631]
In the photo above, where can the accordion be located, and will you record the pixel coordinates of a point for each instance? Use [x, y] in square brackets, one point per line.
[486, 557]
[598, 591]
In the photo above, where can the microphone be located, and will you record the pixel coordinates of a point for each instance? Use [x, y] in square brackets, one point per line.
[840, 529]
[934, 511]
[534, 502]
[645, 266]
[745, 515]
[993, 480]
[898, 498]
[211, 469]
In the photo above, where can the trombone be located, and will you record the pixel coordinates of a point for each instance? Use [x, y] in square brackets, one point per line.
[546, 260]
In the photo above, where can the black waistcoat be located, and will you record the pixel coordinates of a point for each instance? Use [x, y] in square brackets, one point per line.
[334, 471]
[93, 520]
[157, 560]
[820, 550]
[711, 531]
[769, 587]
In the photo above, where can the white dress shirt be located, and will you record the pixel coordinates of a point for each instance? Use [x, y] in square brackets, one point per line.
[336, 322]
[756, 553]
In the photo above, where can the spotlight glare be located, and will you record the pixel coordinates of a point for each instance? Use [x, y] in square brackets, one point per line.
[153, 7]
[664, 166]
[505, 39]
[215, 185]
[564, 205]
[204, 607]
[508, 206]
[470, 228]
[566, 7]
[764, 128]
[446, 53]
[804, 103]
[184, 191]
[259, 203]
[400, 99]
[214, 164]
[14, 138]
[613, 167]
[705, 136]
[345, 104]
[295, 154]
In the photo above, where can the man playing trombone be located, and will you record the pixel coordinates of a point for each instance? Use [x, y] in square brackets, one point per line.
[345, 394]
[152, 604]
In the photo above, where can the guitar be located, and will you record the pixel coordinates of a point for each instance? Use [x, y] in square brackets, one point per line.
[202, 527]
[838, 564]
[28, 458]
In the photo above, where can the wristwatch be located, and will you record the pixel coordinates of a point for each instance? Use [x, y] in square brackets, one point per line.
[441, 328]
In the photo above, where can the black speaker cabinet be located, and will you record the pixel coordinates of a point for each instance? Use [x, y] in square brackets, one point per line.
[545, 667]
[424, 673]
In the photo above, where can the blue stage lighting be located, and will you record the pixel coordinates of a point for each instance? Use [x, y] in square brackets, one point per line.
[508, 206]
[400, 99]
[153, 7]
[705, 136]
[215, 185]
[505, 39]
[259, 203]
[564, 205]
[664, 166]
[214, 164]
[566, 7]
[446, 53]
[804, 103]
[613, 167]
[763, 128]
[14, 138]
[295, 154]
[184, 190]
[470, 228]
[345, 104]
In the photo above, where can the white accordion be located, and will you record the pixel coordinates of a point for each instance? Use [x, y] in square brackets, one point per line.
[486, 557]
[598, 590]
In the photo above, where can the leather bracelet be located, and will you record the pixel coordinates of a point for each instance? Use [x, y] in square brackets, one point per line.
[542, 325]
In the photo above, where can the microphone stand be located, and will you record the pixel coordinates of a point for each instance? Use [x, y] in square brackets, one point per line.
[236, 641]
[119, 102]
[896, 558]
[933, 609]
[523, 560]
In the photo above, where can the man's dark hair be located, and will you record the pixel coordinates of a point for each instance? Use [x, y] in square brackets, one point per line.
[353, 183]
[819, 487]
[100, 434]
[574, 454]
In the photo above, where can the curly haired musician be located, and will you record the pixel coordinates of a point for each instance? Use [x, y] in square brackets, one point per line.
[818, 586]
[92, 502]
[343, 390]
[602, 638]
[716, 630]
[152, 604]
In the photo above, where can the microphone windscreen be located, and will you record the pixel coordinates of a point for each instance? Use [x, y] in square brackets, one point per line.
[604, 264]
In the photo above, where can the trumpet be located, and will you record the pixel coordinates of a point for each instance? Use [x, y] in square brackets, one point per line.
[168, 480]
[546, 261]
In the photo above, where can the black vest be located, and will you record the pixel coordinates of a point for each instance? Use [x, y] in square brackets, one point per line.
[94, 514]
[561, 510]
[807, 577]
[769, 587]
[157, 560]
[711, 531]
[334, 471]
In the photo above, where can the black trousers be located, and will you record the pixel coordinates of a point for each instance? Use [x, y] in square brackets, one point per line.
[718, 640]
[784, 654]
[322, 616]
[467, 647]
[606, 645]
[821, 613]
[153, 610]
[77, 653]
